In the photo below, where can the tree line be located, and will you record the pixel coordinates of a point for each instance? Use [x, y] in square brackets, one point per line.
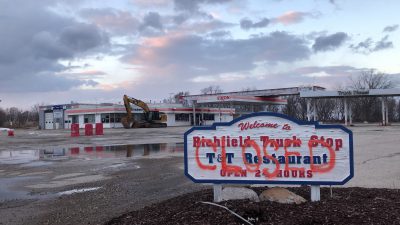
[364, 109]
[14, 117]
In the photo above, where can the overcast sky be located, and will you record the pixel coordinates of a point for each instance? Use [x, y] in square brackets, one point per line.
[57, 51]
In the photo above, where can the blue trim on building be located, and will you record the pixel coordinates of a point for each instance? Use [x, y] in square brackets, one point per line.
[299, 122]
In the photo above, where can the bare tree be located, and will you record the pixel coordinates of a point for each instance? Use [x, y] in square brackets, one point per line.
[296, 107]
[272, 108]
[3, 117]
[372, 79]
[368, 108]
[17, 118]
[13, 116]
[34, 113]
[325, 108]
[178, 96]
[211, 90]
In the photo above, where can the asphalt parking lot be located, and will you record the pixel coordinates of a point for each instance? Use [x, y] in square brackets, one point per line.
[47, 177]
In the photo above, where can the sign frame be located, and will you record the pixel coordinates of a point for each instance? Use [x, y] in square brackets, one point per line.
[317, 126]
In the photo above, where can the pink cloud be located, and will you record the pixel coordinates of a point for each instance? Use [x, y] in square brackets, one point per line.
[291, 17]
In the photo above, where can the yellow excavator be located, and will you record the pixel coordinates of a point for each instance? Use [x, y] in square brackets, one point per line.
[151, 118]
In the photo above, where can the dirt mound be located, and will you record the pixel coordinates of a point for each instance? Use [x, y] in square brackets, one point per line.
[348, 206]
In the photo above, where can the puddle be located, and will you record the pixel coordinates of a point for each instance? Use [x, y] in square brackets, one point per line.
[41, 157]
[18, 157]
[20, 167]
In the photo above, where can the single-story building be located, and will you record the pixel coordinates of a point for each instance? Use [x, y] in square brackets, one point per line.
[62, 116]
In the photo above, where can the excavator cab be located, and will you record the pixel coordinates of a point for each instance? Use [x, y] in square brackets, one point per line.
[152, 115]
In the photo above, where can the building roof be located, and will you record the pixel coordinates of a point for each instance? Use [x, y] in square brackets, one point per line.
[350, 93]
[264, 96]
[261, 93]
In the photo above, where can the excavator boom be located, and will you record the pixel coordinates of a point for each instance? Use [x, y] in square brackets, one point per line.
[151, 117]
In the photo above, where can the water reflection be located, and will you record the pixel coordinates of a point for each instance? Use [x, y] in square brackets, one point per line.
[92, 152]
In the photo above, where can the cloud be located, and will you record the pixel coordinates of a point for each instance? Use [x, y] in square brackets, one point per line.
[82, 37]
[327, 70]
[47, 45]
[152, 20]
[220, 34]
[287, 18]
[291, 17]
[383, 44]
[330, 77]
[247, 24]
[116, 21]
[194, 5]
[363, 46]
[201, 27]
[192, 9]
[368, 45]
[33, 41]
[151, 3]
[391, 28]
[182, 57]
[85, 75]
[329, 42]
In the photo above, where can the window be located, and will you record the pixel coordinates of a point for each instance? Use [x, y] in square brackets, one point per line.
[105, 118]
[208, 116]
[75, 119]
[116, 117]
[119, 116]
[88, 118]
[182, 117]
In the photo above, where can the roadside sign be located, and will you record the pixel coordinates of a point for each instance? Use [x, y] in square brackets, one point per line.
[269, 148]
[58, 107]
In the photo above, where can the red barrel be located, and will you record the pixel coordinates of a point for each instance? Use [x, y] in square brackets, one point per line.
[88, 149]
[11, 133]
[75, 130]
[88, 129]
[99, 129]
[74, 151]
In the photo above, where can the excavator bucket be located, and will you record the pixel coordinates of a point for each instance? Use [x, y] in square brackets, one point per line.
[125, 123]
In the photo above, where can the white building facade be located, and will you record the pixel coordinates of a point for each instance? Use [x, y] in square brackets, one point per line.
[62, 116]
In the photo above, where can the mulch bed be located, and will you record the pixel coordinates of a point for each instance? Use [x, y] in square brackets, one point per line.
[347, 206]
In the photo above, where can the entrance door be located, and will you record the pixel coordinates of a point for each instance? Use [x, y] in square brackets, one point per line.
[198, 116]
[48, 121]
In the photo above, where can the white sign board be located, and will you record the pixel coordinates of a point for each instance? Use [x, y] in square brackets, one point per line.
[269, 148]
[240, 98]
